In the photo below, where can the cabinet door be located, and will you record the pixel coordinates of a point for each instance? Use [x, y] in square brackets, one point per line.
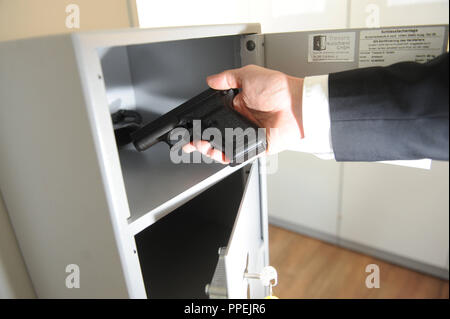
[320, 52]
[245, 251]
[396, 210]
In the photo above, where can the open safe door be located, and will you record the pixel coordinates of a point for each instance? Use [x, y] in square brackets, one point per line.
[244, 253]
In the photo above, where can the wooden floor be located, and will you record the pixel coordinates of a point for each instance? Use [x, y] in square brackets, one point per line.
[310, 268]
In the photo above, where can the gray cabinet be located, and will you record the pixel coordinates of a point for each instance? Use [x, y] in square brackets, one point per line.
[132, 224]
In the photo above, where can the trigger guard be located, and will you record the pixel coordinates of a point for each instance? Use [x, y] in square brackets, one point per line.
[186, 138]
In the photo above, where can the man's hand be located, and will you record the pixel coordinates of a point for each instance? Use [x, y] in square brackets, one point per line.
[270, 99]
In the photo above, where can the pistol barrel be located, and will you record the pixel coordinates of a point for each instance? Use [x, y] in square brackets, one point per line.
[154, 132]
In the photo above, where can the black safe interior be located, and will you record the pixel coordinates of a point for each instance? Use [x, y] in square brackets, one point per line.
[178, 254]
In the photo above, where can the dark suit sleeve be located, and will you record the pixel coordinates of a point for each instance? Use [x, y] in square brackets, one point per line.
[398, 112]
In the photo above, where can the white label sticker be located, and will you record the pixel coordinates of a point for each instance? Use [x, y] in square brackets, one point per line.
[332, 47]
[383, 47]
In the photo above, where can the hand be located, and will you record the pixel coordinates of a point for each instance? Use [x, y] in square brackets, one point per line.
[270, 99]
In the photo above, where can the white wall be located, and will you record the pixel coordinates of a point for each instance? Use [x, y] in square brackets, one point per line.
[28, 18]
[399, 12]
[304, 193]
[274, 15]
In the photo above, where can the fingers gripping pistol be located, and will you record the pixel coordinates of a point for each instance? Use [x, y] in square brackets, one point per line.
[239, 138]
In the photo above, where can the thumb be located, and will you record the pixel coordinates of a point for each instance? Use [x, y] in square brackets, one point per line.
[230, 79]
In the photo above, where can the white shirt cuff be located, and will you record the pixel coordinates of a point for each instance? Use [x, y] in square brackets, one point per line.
[316, 118]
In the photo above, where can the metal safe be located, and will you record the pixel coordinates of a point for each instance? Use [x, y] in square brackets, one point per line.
[129, 224]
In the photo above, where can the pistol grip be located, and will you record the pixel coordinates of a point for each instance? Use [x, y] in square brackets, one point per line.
[241, 138]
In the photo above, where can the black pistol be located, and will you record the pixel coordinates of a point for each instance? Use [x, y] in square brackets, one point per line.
[211, 109]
